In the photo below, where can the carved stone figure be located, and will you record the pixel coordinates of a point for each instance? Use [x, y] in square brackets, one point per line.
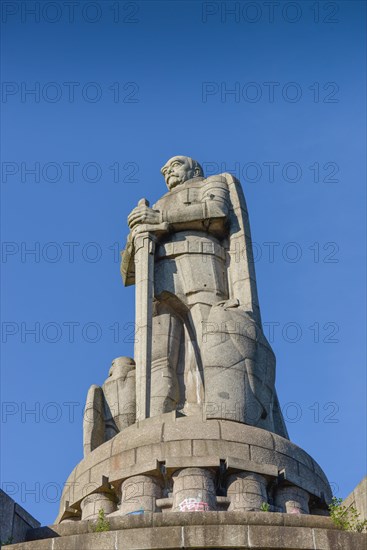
[110, 408]
[200, 340]
[193, 423]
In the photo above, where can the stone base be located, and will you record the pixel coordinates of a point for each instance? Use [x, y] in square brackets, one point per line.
[215, 530]
[169, 464]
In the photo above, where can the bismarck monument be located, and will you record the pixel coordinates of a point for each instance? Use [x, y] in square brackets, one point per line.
[185, 445]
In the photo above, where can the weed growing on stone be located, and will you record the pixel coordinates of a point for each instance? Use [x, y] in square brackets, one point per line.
[346, 518]
[102, 523]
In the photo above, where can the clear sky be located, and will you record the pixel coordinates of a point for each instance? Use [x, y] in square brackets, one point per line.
[274, 93]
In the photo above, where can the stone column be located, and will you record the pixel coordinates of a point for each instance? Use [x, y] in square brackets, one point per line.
[292, 500]
[194, 490]
[247, 491]
[139, 495]
[92, 504]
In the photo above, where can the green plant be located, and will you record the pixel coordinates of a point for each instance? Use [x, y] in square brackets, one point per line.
[265, 507]
[346, 518]
[102, 523]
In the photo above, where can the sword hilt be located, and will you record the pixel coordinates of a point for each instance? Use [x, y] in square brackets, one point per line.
[143, 202]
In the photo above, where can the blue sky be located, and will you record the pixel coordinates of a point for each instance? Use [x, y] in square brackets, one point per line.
[115, 95]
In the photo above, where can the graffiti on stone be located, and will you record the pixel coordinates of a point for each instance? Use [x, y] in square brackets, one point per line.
[193, 505]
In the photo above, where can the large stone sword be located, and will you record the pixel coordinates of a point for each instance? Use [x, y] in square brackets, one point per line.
[140, 250]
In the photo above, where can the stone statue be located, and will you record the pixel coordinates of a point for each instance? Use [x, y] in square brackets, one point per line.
[193, 423]
[204, 347]
[110, 408]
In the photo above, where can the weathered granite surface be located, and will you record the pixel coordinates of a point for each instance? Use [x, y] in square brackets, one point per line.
[112, 407]
[193, 422]
[358, 499]
[161, 446]
[216, 530]
[15, 522]
[199, 340]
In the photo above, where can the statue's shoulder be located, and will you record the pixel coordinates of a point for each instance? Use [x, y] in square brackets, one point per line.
[217, 178]
[229, 183]
[232, 186]
[225, 178]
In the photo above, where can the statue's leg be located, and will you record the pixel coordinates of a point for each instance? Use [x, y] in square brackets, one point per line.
[166, 341]
[204, 285]
[196, 323]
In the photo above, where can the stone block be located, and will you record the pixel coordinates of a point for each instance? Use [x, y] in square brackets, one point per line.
[319, 471]
[215, 536]
[46, 544]
[14, 520]
[145, 434]
[144, 539]
[151, 467]
[251, 466]
[98, 455]
[99, 470]
[160, 419]
[192, 462]
[260, 454]
[216, 530]
[266, 537]
[358, 499]
[191, 429]
[234, 431]
[120, 462]
[221, 448]
[119, 443]
[90, 541]
[334, 539]
[81, 487]
[288, 448]
[161, 451]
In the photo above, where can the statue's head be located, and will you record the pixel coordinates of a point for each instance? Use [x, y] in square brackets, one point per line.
[179, 169]
[121, 366]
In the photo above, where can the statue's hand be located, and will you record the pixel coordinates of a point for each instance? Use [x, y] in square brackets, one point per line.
[143, 214]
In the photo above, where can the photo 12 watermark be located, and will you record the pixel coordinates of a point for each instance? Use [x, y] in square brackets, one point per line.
[276, 172]
[69, 92]
[92, 252]
[72, 12]
[69, 171]
[75, 412]
[270, 11]
[270, 92]
[93, 332]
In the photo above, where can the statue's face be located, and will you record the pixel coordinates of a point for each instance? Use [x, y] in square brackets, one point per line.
[177, 170]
